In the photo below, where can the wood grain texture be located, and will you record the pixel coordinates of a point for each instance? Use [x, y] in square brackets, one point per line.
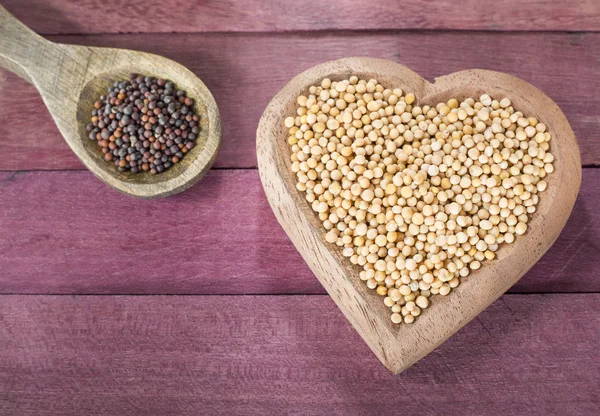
[70, 79]
[111, 16]
[159, 355]
[56, 237]
[245, 70]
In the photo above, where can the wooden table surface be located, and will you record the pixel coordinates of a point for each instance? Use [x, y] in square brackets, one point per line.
[199, 305]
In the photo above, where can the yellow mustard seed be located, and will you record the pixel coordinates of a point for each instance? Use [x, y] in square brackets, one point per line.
[417, 196]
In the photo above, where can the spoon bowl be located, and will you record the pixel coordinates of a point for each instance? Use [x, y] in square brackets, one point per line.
[71, 78]
[400, 346]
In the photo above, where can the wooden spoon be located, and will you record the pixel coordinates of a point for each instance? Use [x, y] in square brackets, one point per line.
[400, 346]
[71, 78]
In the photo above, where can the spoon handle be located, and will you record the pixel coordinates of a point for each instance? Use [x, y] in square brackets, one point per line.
[23, 51]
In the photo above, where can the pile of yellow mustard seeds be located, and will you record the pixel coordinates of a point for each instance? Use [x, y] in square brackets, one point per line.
[417, 195]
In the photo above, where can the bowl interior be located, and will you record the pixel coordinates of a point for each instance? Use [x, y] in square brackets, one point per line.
[100, 84]
[427, 93]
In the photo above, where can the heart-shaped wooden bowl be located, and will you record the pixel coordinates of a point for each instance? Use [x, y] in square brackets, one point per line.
[400, 346]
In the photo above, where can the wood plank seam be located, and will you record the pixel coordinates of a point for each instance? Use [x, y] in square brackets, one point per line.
[60, 16]
[32, 141]
[53, 223]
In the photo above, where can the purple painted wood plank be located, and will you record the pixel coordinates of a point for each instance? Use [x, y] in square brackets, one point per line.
[110, 16]
[220, 237]
[209, 355]
[245, 70]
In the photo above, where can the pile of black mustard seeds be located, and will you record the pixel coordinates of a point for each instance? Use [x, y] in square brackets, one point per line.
[144, 124]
